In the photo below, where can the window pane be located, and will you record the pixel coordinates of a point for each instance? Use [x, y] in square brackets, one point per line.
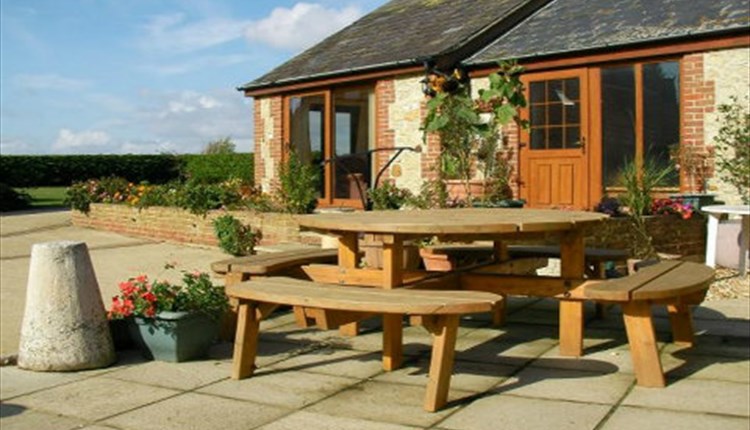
[573, 114]
[307, 131]
[572, 137]
[537, 115]
[537, 92]
[537, 138]
[618, 120]
[351, 142]
[554, 89]
[554, 114]
[555, 138]
[572, 90]
[661, 112]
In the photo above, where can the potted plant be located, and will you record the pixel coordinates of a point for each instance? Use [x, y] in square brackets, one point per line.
[171, 322]
[693, 165]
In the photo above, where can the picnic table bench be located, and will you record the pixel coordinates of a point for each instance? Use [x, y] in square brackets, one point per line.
[239, 269]
[595, 258]
[333, 305]
[678, 285]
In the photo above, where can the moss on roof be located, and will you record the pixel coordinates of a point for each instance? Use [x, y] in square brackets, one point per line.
[566, 26]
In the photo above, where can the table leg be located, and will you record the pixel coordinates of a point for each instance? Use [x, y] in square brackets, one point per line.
[500, 250]
[712, 238]
[348, 258]
[392, 341]
[572, 266]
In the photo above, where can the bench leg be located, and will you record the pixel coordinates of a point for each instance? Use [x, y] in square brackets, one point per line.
[444, 333]
[498, 315]
[246, 341]
[392, 341]
[642, 340]
[681, 320]
[571, 328]
[349, 330]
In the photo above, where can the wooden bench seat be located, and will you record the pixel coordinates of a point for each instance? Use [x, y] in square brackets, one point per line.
[594, 257]
[676, 284]
[241, 269]
[331, 305]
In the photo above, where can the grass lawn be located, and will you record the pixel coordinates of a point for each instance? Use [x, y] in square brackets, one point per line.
[46, 197]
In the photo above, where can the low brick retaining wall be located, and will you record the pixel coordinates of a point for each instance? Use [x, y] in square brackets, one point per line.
[671, 234]
[177, 225]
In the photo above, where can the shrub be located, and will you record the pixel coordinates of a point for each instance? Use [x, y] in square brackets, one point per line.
[11, 200]
[63, 170]
[234, 237]
[733, 144]
[388, 196]
[298, 186]
[219, 167]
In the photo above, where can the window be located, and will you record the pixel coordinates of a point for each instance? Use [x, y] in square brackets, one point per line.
[555, 114]
[334, 130]
[640, 116]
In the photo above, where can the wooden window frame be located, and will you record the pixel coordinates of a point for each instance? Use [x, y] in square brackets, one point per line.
[637, 65]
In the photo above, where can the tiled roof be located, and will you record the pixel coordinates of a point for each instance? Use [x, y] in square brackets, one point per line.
[566, 26]
[402, 32]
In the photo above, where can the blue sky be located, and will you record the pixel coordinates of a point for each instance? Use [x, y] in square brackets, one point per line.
[145, 76]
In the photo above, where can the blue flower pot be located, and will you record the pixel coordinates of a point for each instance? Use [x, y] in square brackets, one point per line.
[175, 336]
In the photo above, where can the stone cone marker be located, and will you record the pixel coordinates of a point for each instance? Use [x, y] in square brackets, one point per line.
[64, 324]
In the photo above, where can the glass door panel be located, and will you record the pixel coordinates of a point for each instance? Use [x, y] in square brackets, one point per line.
[307, 132]
[351, 141]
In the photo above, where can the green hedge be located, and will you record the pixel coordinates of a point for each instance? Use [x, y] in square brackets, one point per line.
[63, 170]
[214, 168]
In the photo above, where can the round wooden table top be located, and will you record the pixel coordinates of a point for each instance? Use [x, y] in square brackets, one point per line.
[451, 221]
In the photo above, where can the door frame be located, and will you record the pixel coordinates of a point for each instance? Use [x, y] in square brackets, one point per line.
[590, 132]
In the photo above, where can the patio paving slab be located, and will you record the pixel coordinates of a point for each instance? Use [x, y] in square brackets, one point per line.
[289, 389]
[336, 362]
[15, 382]
[630, 418]
[178, 376]
[193, 411]
[467, 376]
[17, 418]
[315, 421]
[572, 385]
[386, 402]
[94, 398]
[718, 397]
[510, 412]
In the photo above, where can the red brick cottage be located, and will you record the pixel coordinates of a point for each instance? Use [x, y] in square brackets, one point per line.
[607, 81]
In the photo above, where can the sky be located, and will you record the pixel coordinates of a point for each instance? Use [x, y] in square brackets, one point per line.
[146, 76]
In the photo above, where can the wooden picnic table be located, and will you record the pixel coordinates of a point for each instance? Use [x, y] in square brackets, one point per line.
[497, 225]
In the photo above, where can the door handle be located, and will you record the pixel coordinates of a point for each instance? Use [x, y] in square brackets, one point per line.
[583, 144]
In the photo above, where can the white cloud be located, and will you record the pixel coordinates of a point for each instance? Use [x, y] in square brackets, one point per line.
[196, 63]
[12, 145]
[301, 26]
[68, 140]
[50, 81]
[172, 33]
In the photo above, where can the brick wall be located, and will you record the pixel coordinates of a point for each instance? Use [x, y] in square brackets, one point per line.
[727, 71]
[671, 234]
[268, 119]
[177, 225]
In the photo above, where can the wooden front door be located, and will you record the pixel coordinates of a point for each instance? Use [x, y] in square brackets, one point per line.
[554, 167]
